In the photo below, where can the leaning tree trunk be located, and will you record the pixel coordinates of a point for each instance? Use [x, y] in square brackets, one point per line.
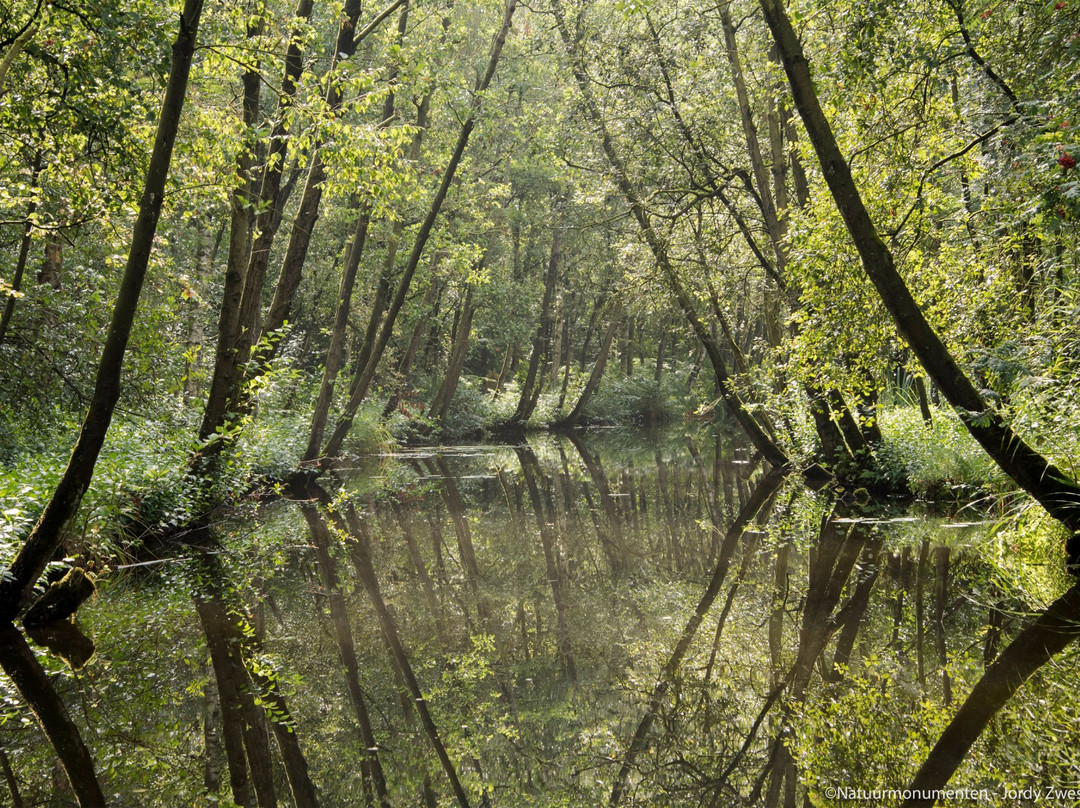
[247, 262]
[441, 403]
[1053, 488]
[763, 493]
[336, 349]
[597, 373]
[21, 40]
[381, 298]
[837, 426]
[47, 534]
[541, 347]
[361, 554]
[244, 721]
[307, 215]
[366, 375]
[769, 450]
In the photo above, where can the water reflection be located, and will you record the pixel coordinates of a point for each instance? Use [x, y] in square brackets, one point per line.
[575, 621]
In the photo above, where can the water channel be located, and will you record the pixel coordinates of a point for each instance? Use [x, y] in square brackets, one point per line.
[619, 618]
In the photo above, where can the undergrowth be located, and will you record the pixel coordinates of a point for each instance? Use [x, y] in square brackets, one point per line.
[940, 460]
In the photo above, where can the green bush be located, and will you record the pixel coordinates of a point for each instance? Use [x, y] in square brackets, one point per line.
[139, 481]
[639, 399]
[937, 460]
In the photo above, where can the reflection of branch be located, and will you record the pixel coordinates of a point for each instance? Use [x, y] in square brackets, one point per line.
[30, 679]
[1034, 647]
[761, 496]
[360, 551]
[769, 702]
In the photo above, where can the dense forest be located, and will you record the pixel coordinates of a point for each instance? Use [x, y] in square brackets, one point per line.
[246, 249]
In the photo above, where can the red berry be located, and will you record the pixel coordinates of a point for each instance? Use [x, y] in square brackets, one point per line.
[1067, 161]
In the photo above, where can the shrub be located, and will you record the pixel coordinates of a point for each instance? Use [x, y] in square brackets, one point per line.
[938, 460]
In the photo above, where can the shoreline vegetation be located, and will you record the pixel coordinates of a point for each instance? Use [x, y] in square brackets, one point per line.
[142, 490]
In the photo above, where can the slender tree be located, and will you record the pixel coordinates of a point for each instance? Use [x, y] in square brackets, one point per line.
[365, 375]
[656, 244]
[247, 262]
[48, 533]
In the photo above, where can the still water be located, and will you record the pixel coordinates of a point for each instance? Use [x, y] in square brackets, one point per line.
[616, 619]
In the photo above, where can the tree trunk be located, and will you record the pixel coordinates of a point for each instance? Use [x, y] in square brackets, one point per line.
[757, 435]
[247, 262]
[924, 402]
[941, 579]
[845, 421]
[12, 782]
[15, 47]
[24, 251]
[211, 720]
[626, 348]
[597, 373]
[1054, 489]
[854, 610]
[500, 381]
[245, 725]
[196, 336]
[456, 508]
[428, 308]
[833, 450]
[292, 756]
[661, 347]
[583, 358]
[48, 533]
[766, 487]
[303, 227]
[363, 381]
[382, 290]
[336, 349]
[541, 347]
[441, 403]
[610, 531]
[558, 333]
[530, 469]
[320, 535]
[753, 146]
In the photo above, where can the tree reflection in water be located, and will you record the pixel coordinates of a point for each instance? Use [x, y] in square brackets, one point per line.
[564, 622]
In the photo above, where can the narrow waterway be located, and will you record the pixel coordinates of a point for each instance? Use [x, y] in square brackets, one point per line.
[616, 619]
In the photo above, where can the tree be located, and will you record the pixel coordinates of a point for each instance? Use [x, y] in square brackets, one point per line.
[1044, 481]
[364, 376]
[48, 533]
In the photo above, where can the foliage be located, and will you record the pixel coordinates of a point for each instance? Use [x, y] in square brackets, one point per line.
[640, 399]
[140, 486]
[938, 461]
